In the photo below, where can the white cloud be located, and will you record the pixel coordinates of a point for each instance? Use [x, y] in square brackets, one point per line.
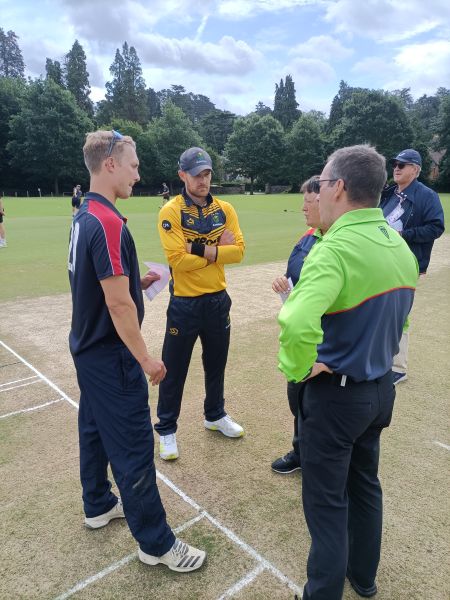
[228, 56]
[388, 20]
[309, 71]
[370, 66]
[238, 9]
[322, 47]
[422, 67]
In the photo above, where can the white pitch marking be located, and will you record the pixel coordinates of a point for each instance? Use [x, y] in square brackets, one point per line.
[441, 444]
[14, 387]
[120, 563]
[18, 412]
[17, 381]
[232, 536]
[39, 374]
[242, 583]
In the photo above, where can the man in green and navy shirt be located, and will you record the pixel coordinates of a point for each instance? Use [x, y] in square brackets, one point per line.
[340, 328]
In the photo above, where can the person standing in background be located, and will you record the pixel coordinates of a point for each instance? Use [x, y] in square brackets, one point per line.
[3, 243]
[415, 211]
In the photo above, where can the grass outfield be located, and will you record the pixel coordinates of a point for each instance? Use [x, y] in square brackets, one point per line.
[34, 264]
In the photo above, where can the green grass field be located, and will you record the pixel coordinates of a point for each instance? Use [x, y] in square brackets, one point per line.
[34, 264]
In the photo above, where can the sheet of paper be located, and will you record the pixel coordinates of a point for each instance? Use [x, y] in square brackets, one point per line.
[284, 295]
[157, 286]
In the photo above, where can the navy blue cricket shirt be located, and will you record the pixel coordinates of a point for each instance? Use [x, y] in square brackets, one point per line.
[100, 246]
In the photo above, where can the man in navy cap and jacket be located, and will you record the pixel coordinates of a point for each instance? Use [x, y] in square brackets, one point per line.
[415, 211]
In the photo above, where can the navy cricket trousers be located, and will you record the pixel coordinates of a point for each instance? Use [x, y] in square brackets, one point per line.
[114, 426]
[342, 497]
[207, 317]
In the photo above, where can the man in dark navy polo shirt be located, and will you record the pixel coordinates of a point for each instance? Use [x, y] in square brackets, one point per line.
[111, 360]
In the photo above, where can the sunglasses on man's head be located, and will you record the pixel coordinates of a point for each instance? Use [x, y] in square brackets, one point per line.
[116, 136]
[399, 165]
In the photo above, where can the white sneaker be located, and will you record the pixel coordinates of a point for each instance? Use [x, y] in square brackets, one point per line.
[115, 513]
[168, 449]
[227, 426]
[181, 557]
[3, 243]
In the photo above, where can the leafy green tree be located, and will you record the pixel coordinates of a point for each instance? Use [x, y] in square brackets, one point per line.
[77, 77]
[256, 149]
[374, 117]
[337, 105]
[48, 134]
[12, 91]
[285, 105]
[305, 150]
[54, 71]
[126, 96]
[161, 145]
[262, 110]
[195, 106]
[153, 104]
[11, 60]
[443, 129]
[216, 127]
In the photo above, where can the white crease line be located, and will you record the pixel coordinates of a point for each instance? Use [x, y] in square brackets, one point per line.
[242, 583]
[18, 412]
[441, 444]
[120, 563]
[232, 536]
[39, 374]
[19, 386]
[264, 562]
[17, 381]
[83, 584]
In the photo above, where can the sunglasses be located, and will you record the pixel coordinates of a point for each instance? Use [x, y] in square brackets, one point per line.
[116, 137]
[399, 165]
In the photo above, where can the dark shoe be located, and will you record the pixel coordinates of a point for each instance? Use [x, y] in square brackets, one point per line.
[362, 591]
[287, 463]
[397, 377]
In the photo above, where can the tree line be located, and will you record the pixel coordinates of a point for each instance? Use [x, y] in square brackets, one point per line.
[43, 123]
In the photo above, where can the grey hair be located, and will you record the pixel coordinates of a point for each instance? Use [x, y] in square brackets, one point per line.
[363, 171]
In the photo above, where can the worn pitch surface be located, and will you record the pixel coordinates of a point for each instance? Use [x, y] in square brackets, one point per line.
[45, 550]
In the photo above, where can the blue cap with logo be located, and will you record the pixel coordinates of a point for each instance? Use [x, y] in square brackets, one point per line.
[409, 156]
[194, 161]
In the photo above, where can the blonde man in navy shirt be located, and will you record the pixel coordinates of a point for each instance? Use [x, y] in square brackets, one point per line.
[112, 360]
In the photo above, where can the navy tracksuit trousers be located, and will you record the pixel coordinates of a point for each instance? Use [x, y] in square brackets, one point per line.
[114, 427]
[207, 317]
[342, 497]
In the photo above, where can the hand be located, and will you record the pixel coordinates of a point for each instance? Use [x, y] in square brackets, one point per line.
[155, 369]
[227, 238]
[317, 368]
[148, 279]
[280, 285]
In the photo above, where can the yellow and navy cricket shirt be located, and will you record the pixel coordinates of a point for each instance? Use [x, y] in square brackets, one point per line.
[180, 222]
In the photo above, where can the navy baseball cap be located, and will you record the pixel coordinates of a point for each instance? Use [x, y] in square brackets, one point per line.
[409, 156]
[194, 161]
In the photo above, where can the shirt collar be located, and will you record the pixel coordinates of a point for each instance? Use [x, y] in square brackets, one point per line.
[99, 198]
[359, 215]
[190, 202]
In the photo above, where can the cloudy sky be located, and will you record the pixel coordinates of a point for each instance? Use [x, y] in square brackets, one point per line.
[234, 51]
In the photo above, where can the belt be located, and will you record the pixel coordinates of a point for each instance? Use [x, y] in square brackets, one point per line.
[345, 380]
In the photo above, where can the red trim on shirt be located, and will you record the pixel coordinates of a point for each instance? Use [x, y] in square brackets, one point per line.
[112, 227]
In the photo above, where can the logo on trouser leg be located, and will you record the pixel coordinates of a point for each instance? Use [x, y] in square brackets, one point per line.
[228, 325]
[173, 331]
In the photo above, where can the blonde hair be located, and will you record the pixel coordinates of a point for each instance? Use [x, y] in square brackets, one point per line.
[97, 145]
